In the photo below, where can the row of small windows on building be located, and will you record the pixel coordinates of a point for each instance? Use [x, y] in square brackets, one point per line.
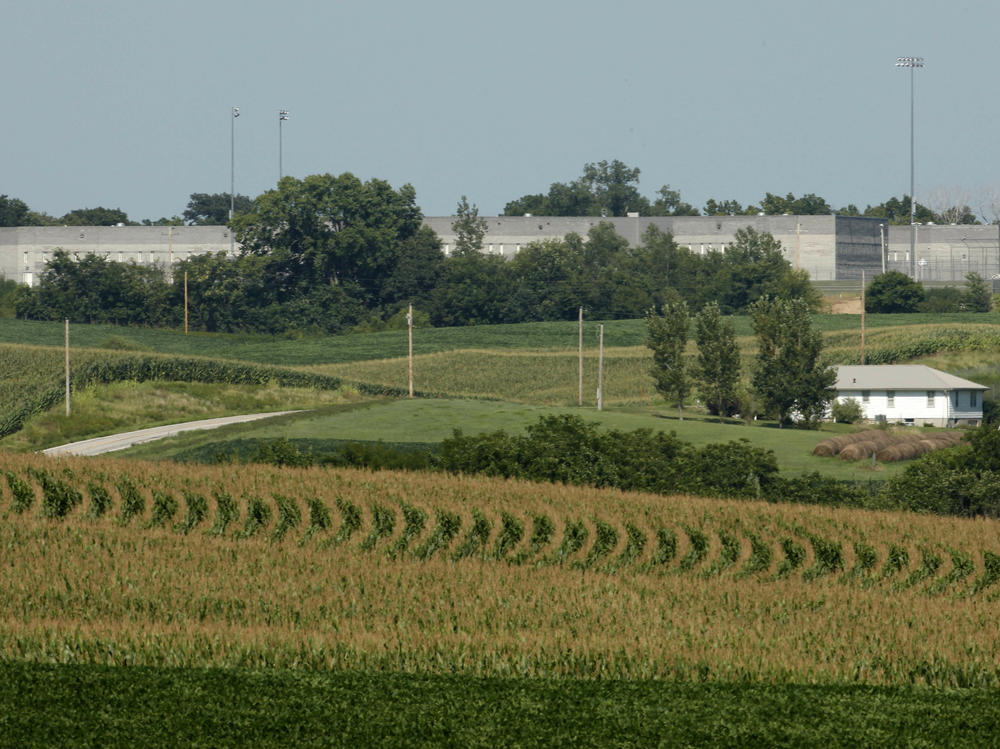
[890, 398]
[123, 256]
[497, 249]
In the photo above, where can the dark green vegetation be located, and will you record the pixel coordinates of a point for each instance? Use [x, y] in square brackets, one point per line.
[56, 705]
[964, 481]
[326, 254]
[895, 292]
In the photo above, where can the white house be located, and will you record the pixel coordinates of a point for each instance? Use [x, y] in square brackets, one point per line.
[911, 394]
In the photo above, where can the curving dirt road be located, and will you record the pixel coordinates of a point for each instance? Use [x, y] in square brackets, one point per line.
[113, 442]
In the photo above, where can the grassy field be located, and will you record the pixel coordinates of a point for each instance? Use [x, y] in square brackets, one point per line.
[120, 562]
[425, 422]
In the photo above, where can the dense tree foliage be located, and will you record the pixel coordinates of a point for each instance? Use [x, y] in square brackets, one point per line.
[788, 375]
[13, 212]
[666, 336]
[604, 189]
[327, 253]
[718, 366]
[92, 289]
[893, 292]
[213, 209]
[566, 449]
[961, 481]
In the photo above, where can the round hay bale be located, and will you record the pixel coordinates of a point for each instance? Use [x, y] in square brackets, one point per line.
[889, 454]
[881, 439]
[824, 449]
[857, 451]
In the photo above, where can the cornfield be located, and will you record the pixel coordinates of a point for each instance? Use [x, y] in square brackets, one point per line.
[115, 562]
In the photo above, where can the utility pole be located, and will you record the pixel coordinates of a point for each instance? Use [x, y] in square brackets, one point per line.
[862, 317]
[409, 325]
[67, 367]
[600, 370]
[185, 302]
[579, 397]
[232, 178]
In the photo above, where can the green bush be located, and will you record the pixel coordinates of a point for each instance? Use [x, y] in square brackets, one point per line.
[847, 411]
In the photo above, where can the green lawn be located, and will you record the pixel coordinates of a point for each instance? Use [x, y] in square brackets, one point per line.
[48, 705]
[422, 421]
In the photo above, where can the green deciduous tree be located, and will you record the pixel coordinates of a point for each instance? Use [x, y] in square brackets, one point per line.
[329, 231]
[666, 336]
[893, 292]
[606, 188]
[807, 205]
[212, 209]
[13, 212]
[752, 267]
[977, 296]
[718, 366]
[788, 375]
[469, 228]
[95, 217]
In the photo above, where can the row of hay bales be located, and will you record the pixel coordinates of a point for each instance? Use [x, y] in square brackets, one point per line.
[885, 446]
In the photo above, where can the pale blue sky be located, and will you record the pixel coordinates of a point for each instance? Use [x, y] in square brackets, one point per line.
[126, 103]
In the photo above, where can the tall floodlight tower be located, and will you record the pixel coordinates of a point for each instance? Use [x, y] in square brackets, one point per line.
[912, 63]
[232, 177]
[282, 116]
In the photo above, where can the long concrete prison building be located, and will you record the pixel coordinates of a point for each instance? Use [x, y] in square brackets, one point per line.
[830, 248]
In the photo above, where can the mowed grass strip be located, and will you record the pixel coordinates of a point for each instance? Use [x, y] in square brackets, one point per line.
[424, 421]
[60, 705]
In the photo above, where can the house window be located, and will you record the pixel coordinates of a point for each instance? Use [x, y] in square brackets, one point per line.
[890, 398]
[972, 399]
[930, 399]
[954, 398]
[866, 396]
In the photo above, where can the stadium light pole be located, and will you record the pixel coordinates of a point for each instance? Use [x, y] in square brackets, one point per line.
[282, 116]
[232, 177]
[912, 63]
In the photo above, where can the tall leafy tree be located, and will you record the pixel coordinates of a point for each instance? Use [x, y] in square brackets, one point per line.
[718, 366]
[893, 292]
[329, 231]
[469, 228]
[789, 376]
[13, 212]
[95, 217]
[977, 297]
[212, 209]
[753, 266]
[666, 335]
[807, 205]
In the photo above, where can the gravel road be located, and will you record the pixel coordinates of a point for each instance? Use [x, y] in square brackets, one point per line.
[113, 442]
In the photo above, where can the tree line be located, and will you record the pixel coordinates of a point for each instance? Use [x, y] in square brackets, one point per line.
[895, 292]
[328, 253]
[788, 381]
[605, 188]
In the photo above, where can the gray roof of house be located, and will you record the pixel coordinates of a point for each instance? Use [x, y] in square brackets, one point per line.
[900, 377]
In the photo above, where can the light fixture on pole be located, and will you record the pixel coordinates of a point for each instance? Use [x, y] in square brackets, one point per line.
[232, 177]
[912, 63]
[282, 116]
